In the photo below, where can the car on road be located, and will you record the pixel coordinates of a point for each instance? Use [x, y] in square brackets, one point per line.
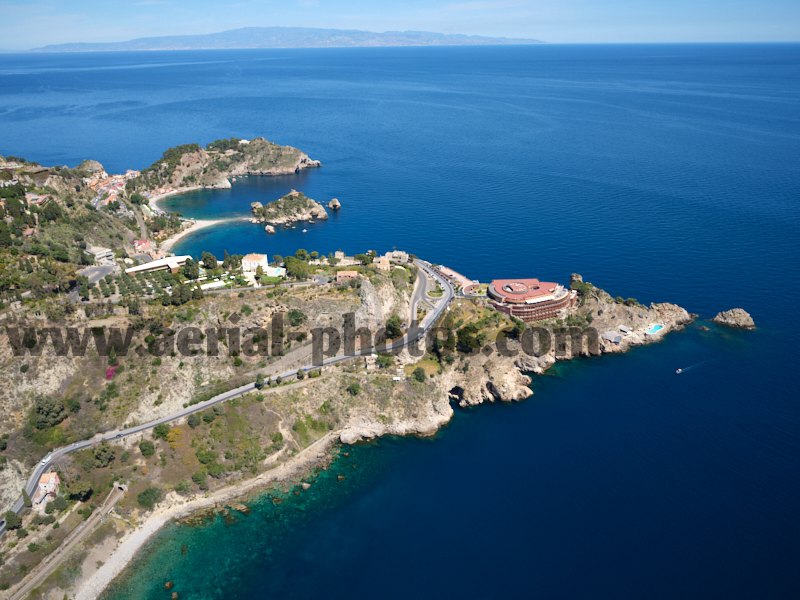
[46, 460]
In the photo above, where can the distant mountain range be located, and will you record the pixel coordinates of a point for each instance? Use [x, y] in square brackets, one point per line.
[287, 37]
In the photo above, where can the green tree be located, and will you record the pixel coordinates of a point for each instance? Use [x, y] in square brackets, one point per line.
[5, 235]
[297, 268]
[469, 338]
[26, 499]
[419, 374]
[394, 327]
[194, 420]
[191, 269]
[354, 389]
[103, 455]
[147, 448]
[364, 258]
[209, 260]
[160, 431]
[59, 504]
[48, 412]
[149, 497]
[12, 519]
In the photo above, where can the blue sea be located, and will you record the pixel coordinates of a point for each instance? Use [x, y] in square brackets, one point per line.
[662, 172]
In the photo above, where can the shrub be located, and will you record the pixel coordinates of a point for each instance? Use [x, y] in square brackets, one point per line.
[200, 478]
[194, 420]
[296, 317]
[385, 360]
[419, 374]
[354, 389]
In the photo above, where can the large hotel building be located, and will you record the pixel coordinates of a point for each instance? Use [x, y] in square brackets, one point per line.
[530, 299]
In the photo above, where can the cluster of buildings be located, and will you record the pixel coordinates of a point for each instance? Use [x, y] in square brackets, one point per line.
[107, 188]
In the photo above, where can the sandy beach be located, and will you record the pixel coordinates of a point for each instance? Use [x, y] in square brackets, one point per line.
[92, 585]
[154, 200]
[196, 225]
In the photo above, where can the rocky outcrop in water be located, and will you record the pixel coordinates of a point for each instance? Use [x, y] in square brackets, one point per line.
[737, 318]
[291, 208]
[334, 204]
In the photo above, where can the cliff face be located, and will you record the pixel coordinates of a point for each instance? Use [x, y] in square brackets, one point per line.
[213, 166]
[291, 208]
[491, 376]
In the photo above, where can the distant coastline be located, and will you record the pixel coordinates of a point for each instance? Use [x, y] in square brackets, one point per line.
[288, 37]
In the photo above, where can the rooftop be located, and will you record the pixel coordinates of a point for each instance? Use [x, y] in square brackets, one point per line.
[522, 290]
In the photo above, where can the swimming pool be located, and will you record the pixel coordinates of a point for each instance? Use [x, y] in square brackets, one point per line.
[654, 329]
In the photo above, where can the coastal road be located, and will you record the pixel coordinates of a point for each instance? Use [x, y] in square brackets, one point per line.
[414, 334]
[51, 562]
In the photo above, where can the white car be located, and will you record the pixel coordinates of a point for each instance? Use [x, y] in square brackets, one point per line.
[46, 460]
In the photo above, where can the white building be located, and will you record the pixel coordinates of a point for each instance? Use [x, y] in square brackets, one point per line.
[102, 256]
[172, 263]
[251, 262]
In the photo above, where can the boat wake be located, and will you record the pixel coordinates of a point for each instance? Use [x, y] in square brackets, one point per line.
[684, 369]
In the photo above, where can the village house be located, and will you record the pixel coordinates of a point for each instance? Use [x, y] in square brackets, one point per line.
[382, 263]
[344, 276]
[251, 262]
[142, 246]
[47, 489]
[101, 255]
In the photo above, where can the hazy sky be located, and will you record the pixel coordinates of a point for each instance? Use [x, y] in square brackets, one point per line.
[29, 23]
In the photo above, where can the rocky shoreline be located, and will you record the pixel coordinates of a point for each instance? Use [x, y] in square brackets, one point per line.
[470, 380]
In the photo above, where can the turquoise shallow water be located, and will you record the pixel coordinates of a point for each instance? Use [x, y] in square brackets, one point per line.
[659, 172]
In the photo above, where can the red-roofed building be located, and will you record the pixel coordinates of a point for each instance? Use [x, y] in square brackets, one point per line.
[47, 489]
[530, 299]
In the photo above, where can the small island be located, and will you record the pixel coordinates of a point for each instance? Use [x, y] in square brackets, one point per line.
[191, 166]
[291, 208]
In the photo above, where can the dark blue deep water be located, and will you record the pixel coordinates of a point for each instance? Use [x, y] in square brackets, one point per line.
[660, 172]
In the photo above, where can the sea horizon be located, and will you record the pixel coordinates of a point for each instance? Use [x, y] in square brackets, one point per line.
[662, 176]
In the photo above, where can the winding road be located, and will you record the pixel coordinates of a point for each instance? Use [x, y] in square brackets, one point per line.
[414, 333]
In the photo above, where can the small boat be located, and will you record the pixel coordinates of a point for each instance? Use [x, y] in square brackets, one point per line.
[305, 230]
[678, 371]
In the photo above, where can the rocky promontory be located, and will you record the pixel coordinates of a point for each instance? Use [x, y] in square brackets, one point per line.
[737, 318]
[291, 208]
[192, 166]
